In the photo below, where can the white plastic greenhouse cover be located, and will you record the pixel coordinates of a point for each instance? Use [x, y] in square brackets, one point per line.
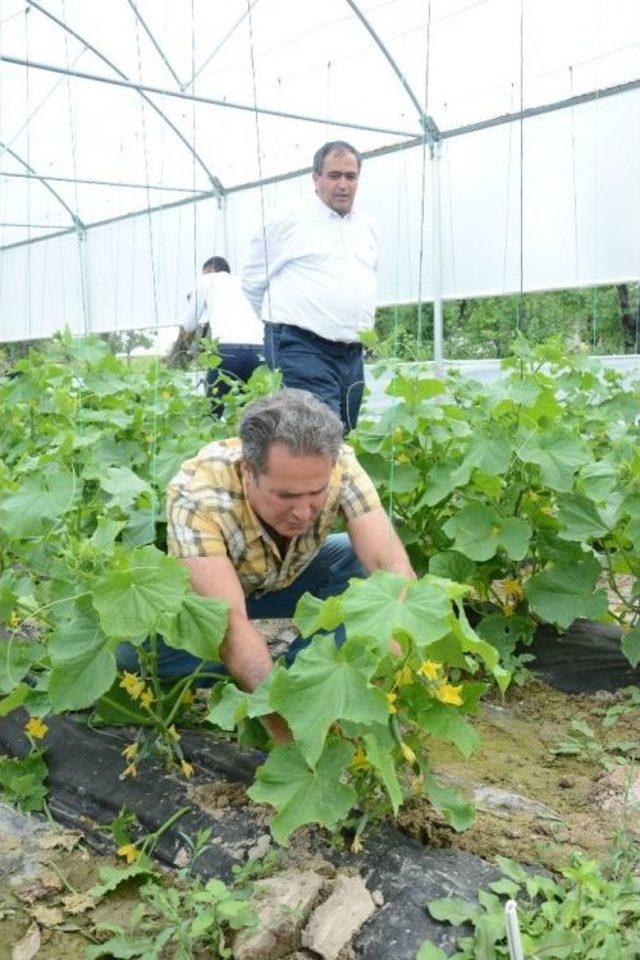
[116, 183]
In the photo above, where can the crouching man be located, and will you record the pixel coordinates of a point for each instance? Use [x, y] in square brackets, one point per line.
[251, 517]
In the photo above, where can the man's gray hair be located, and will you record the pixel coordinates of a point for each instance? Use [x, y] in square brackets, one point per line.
[334, 146]
[295, 418]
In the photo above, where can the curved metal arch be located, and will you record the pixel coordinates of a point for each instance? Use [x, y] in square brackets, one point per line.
[213, 180]
[428, 124]
[75, 219]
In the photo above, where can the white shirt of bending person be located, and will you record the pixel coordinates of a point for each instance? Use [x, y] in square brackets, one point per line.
[218, 299]
[320, 270]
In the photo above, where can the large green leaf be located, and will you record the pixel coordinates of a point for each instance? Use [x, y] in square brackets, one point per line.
[429, 951]
[452, 566]
[457, 811]
[199, 626]
[453, 910]
[313, 615]
[558, 453]
[325, 684]
[386, 604]
[479, 531]
[43, 496]
[446, 722]
[123, 485]
[580, 518]
[16, 658]
[631, 646]
[77, 635]
[77, 683]
[567, 591]
[235, 705]
[302, 794]
[134, 600]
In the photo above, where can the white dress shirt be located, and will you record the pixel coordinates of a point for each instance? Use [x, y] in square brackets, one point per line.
[318, 271]
[218, 299]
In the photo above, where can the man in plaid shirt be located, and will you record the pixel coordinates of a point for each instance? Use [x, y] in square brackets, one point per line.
[251, 518]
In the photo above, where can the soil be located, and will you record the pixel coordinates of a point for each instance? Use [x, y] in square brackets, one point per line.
[515, 756]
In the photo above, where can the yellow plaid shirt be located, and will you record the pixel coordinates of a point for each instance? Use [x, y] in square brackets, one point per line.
[209, 515]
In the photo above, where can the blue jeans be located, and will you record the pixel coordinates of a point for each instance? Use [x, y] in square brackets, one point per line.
[331, 370]
[327, 575]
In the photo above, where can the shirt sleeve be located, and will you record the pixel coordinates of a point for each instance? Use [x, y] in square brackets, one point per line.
[358, 494]
[190, 532]
[194, 309]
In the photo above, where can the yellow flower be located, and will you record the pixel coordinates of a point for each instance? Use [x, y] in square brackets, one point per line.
[187, 769]
[356, 845]
[403, 676]
[14, 619]
[391, 700]
[174, 733]
[132, 684]
[402, 458]
[130, 751]
[130, 771]
[146, 698]
[508, 609]
[407, 752]
[513, 588]
[359, 760]
[429, 669]
[129, 851]
[449, 694]
[36, 728]
[188, 697]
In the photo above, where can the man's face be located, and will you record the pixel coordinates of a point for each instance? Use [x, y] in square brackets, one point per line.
[291, 492]
[337, 182]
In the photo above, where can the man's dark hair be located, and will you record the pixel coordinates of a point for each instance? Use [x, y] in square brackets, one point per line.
[295, 418]
[334, 146]
[216, 264]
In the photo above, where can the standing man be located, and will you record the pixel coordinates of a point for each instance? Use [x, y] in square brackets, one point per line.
[311, 276]
[219, 301]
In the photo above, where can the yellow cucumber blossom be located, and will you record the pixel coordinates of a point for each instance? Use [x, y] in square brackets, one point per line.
[407, 752]
[403, 676]
[359, 760]
[14, 620]
[129, 851]
[187, 768]
[173, 732]
[449, 694]
[146, 698]
[130, 771]
[429, 669]
[391, 700]
[513, 588]
[132, 684]
[187, 698]
[36, 728]
[508, 609]
[130, 751]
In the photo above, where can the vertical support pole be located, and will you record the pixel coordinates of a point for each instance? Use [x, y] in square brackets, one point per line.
[222, 206]
[435, 149]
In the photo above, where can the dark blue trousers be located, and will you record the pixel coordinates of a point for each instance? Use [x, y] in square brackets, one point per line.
[331, 370]
[237, 360]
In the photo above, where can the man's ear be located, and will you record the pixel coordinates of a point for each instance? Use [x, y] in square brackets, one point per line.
[247, 474]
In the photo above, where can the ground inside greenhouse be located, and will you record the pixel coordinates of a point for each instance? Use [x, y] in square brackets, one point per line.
[534, 804]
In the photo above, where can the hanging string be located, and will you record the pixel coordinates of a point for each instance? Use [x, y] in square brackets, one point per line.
[28, 135]
[519, 301]
[423, 181]
[86, 323]
[507, 224]
[260, 178]
[154, 442]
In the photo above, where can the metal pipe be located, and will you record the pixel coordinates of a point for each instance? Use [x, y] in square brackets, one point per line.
[99, 183]
[193, 98]
[155, 43]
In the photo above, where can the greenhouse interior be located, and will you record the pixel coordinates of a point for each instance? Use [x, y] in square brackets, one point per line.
[320, 479]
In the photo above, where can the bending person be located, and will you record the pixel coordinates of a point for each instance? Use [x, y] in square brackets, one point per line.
[251, 517]
[218, 301]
